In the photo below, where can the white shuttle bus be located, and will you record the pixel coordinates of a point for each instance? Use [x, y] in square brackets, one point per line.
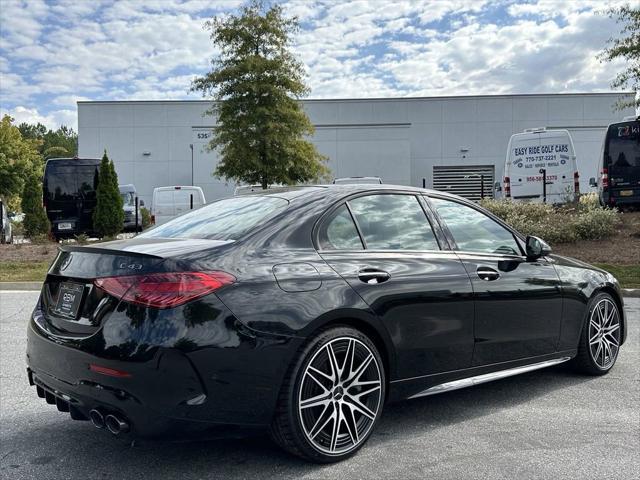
[536, 150]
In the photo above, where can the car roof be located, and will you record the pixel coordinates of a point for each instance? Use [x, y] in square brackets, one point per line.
[73, 161]
[333, 192]
[177, 187]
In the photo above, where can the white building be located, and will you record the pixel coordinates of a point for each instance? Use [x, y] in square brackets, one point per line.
[447, 142]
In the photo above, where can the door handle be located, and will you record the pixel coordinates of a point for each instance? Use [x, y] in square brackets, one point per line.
[488, 274]
[373, 276]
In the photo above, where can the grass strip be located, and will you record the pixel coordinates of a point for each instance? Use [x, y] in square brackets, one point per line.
[27, 271]
[627, 275]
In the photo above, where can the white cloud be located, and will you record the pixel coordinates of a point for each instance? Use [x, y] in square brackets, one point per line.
[52, 120]
[69, 100]
[22, 21]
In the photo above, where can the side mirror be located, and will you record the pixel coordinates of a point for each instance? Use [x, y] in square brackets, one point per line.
[592, 182]
[536, 248]
[141, 203]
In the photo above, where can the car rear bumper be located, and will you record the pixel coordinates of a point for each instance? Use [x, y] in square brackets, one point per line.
[185, 388]
[614, 198]
[154, 396]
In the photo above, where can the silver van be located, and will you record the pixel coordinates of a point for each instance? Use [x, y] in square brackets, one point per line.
[128, 194]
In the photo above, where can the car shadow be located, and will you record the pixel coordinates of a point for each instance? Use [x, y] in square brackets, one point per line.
[88, 453]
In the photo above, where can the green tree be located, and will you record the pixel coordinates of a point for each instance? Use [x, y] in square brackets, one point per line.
[35, 218]
[18, 158]
[62, 142]
[626, 47]
[108, 216]
[256, 83]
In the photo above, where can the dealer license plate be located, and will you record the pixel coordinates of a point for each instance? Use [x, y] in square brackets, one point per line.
[69, 298]
[65, 226]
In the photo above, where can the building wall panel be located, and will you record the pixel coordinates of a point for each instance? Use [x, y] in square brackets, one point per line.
[399, 139]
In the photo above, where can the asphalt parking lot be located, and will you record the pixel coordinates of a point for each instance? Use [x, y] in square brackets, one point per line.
[546, 424]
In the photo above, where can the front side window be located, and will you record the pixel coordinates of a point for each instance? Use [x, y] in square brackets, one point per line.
[474, 231]
[227, 219]
[339, 232]
[393, 222]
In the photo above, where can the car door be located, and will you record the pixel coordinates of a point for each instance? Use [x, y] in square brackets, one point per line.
[518, 303]
[384, 246]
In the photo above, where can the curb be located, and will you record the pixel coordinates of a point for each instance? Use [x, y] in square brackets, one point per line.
[9, 286]
[631, 292]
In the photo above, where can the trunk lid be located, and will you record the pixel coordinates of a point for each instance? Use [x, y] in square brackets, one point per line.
[70, 301]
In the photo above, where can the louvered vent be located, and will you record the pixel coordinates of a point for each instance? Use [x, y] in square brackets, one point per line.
[468, 181]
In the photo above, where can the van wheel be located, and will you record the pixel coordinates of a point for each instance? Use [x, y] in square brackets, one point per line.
[332, 398]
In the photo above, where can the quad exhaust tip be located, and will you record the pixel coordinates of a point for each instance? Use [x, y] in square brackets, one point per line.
[115, 424]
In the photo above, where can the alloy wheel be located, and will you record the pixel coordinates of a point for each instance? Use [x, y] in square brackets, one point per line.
[604, 333]
[340, 396]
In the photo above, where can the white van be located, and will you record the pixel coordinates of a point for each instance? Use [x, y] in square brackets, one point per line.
[532, 151]
[357, 181]
[169, 202]
[256, 188]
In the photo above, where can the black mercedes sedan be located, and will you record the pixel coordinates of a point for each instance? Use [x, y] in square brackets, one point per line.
[305, 311]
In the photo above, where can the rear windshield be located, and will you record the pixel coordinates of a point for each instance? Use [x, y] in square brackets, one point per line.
[623, 146]
[64, 182]
[227, 219]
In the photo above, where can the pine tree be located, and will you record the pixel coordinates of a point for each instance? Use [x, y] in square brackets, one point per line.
[256, 83]
[35, 218]
[108, 216]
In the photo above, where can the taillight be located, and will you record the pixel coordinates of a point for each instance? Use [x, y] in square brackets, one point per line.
[576, 182]
[164, 290]
[507, 187]
[605, 178]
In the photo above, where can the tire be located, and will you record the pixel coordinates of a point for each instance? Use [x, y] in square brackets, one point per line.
[353, 399]
[599, 342]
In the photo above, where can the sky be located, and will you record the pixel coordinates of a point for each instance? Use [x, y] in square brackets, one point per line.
[54, 53]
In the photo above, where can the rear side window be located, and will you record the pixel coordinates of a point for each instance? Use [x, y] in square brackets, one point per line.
[474, 231]
[393, 222]
[339, 232]
[227, 219]
[164, 196]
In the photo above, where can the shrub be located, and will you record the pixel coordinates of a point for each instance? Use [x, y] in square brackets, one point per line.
[40, 239]
[35, 220]
[82, 239]
[108, 216]
[589, 201]
[596, 223]
[146, 218]
[586, 220]
[17, 228]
